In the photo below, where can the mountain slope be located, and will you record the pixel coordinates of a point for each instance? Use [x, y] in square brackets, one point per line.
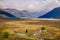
[55, 13]
[19, 14]
[6, 14]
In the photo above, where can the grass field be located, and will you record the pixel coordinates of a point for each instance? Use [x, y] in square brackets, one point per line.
[51, 32]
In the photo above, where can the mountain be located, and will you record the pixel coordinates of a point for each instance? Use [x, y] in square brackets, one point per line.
[55, 13]
[13, 13]
[4, 14]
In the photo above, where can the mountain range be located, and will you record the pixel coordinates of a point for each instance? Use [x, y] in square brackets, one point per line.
[55, 13]
[13, 13]
[4, 14]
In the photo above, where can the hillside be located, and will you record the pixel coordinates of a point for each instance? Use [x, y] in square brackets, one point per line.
[55, 13]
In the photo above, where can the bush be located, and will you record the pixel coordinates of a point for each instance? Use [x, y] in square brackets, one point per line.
[5, 34]
[42, 28]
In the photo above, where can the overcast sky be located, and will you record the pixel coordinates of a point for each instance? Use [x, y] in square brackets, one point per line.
[28, 4]
[43, 6]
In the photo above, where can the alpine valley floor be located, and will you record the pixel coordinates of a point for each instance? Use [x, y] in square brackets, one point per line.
[26, 28]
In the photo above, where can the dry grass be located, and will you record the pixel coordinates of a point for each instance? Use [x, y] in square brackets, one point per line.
[52, 27]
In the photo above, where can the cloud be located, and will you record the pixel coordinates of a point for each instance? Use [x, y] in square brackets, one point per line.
[36, 5]
[43, 6]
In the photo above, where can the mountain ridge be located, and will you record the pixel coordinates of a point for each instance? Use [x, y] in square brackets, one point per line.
[55, 13]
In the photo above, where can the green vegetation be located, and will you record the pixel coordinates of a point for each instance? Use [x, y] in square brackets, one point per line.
[5, 34]
[42, 28]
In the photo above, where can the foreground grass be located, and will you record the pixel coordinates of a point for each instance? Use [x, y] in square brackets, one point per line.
[51, 32]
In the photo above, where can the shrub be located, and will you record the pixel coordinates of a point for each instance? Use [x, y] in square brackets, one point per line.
[5, 34]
